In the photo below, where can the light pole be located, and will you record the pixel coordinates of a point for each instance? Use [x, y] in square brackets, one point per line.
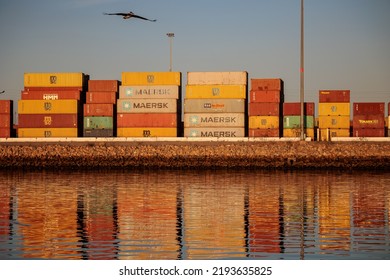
[302, 81]
[170, 35]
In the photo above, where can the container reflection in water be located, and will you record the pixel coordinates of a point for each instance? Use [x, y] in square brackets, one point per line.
[219, 214]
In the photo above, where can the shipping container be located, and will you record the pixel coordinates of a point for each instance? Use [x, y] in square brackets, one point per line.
[166, 92]
[102, 110]
[368, 132]
[327, 133]
[263, 122]
[98, 123]
[48, 120]
[265, 96]
[98, 133]
[214, 120]
[270, 132]
[55, 80]
[147, 105]
[6, 106]
[334, 122]
[214, 105]
[147, 120]
[51, 89]
[48, 106]
[47, 132]
[217, 78]
[334, 109]
[267, 84]
[6, 120]
[103, 85]
[51, 95]
[334, 96]
[215, 91]
[151, 78]
[368, 121]
[369, 108]
[296, 132]
[295, 122]
[220, 132]
[147, 132]
[102, 97]
[294, 109]
[264, 109]
[5, 132]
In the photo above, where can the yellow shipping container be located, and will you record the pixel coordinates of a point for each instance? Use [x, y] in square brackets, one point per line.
[334, 109]
[147, 132]
[48, 106]
[327, 133]
[263, 122]
[334, 122]
[54, 80]
[151, 78]
[46, 132]
[217, 78]
[215, 91]
[296, 132]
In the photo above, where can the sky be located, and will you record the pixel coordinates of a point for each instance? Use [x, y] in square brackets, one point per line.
[347, 42]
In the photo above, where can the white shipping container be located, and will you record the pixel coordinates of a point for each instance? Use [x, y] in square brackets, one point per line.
[214, 105]
[214, 120]
[129, 92]
[214, 132]
[147, 105]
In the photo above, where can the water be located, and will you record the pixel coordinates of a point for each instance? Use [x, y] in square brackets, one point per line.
[142, 215]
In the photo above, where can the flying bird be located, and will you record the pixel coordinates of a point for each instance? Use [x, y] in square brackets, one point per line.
[128, 15]
[2, 91]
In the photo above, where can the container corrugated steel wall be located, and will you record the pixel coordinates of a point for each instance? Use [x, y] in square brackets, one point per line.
[102, 97]
[369, 108]
[147, 132]
[216, 91]
[368, 121]
[147, 106]
[369, 132]
[270, 132]
[214, 132]
[327, 133]
[48, 120]
[263, 122]
[98, 122]
[265, 96]
[295, 122]
[217, 78]
[334, 109]
[6, 106]
[103, 85]
[296, 132]
[266, 84]
[334, 122]
[98, 132]
[47, 132]
[147, 120]
[294, 109]
[5, 132]
[152, 92]
[214, 105]
[214, 120]
[264, 109]
[48, 106]
[54, 80]
[151, 78]
[51, 95]
[334, 96]
[102, 110]
[5, 121]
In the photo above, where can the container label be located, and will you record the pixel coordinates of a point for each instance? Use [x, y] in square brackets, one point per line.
[146, 133]
[47, 133]
[47, 120]
[50, 97]
[150, 79]
[53, 80]
[197, 133]
[47, 106]
[215, 91]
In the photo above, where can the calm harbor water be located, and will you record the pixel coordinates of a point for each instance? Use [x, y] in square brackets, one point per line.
[218, 214]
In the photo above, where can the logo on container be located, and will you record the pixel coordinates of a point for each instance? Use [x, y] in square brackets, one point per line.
[194, 119]
[194, 133]
[207, 105]
[146, 133]
[263, 122]
[126, 106]
[129, 92]
[47, 106]
[47, 120]
[333, 109]
[47, 133]
[150, 79]
[215, 91]
[53, 79]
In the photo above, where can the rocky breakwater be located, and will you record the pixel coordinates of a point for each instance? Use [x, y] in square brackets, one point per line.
[193, 155]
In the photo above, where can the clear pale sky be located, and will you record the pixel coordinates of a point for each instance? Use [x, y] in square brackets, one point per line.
[347, 42]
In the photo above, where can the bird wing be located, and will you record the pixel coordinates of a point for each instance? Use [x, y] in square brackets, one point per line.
[116, 14]
[136, 16]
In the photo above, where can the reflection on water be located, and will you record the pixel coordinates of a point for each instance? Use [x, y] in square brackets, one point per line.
[140, 215]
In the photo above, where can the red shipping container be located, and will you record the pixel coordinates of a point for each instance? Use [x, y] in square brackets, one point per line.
[264, 96]
[369, 108]
[6, 106]
[47, 120]
[147, 120]
[294, 109]
[275, 132]
[102, 97]
[368, 121]
[5, 120]
[103, 85]
[5, 132]
[266, 84]
[53, 89]
[101, 110]
[368, 132]
[334, 96]
[264, 109]
[51, 95]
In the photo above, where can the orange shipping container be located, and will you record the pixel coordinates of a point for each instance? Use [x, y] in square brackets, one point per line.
[103, 85]
[147, 120]
[102, 110]
[368, 121]
[101, 97]
[50, 94]
[6, 106]
[5, 120]
[53, 88]
[47, 120]
[334, 96]
[265, 96]
[5, 132]
[264, 109]
[267, 84]
[272, 132]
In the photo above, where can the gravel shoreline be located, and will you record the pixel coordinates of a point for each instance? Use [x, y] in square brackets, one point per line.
[202, 155]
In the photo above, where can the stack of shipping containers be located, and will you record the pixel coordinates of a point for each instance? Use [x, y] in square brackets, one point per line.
[369, 119]
[215, 104]
[51, 105]
[292, 119]
[100, 108]
[6, 118]
[149, 104]
[334, 114]
[265, 107]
